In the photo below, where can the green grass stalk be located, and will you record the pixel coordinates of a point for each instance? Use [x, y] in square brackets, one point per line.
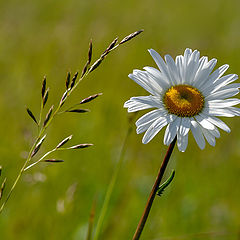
[111, 187]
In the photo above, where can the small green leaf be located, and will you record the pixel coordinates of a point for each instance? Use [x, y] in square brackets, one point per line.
[165, 184]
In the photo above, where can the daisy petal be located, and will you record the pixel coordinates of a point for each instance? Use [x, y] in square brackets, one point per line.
[154, 129]
[144, 127]
[187, 55]
[221, 82]
[150, 115]
[223, 94]
[146, 81]
[223, 103]
[217, 122]
[180, 67]
[218, 112]
[234, 110]
[184, 126]
[218, 73]
[142, 102]
[192, 66]
[171, 131]
[204, 122]
[160, 63]
[202, 75]
[209, 137]
[197, 134]
[215, 132]
[158, 77]
[173, 72]
[182, 142]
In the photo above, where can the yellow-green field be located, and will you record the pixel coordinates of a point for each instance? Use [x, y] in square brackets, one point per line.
[53, 201]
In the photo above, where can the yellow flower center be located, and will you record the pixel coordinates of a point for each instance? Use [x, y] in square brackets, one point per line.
[183, 101]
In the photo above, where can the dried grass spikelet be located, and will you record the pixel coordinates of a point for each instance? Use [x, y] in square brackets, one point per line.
[38, 145]
[32, 115]
[44, 83]
[48, 116]
[2, 187]
[90, 98]
[68, 80]
[83, 145]
[64, 141]
[53, 160]
[78, 110]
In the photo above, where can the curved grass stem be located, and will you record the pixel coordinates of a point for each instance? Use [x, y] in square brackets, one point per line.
[111, 187]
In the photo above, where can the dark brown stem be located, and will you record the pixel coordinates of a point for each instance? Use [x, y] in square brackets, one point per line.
[152, 195]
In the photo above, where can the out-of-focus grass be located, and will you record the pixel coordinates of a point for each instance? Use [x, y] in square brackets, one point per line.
[50, 37]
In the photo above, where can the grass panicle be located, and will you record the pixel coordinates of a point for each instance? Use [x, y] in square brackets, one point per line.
[50, 116]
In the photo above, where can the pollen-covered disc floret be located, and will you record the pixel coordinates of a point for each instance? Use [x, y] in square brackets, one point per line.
[183, 101]
[186, 95]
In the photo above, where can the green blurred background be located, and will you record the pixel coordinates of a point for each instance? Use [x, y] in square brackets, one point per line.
[53, 201]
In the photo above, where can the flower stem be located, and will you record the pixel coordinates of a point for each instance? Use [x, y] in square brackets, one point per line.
[152, 195]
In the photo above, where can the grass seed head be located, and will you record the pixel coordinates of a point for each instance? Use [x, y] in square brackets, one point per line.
[68, 80]
[38, 146]
[2, 187]
[44, 83]
[48, 116]
[74, 80]
[110, 47]
[78, 110]
[131, 36]
[90, 52]
[83, 145]
[31, 115]
[45, 98]
[64, 141]
[53, 160]
[90, 98]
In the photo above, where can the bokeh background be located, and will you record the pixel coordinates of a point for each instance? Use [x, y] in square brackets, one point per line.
[49, 38]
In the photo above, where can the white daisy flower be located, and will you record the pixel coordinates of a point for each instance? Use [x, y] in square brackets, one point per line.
[186, 95]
